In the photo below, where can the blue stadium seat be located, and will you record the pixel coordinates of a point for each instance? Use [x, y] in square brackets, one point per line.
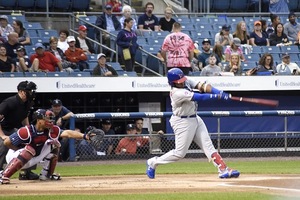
[256, 49]
[160, 34]
[92, 57]
[141, 41]
[29, 48]
[80, 74]
[80, 5]
[33, 26]
[294, 57]
[35, 74]
[92, 64]
[251, 20]
[271, 49]
[8, 3]
[248, 65]
[90, 19]
[182, 19]
[204, 27]
[290, 49]
[12, 74]
[195, 73]
[62, 4]
[26, 4]
[200, 35]
[152, 48]
[276, 57]
[43, 5]
[252, 57]
[221, 5]
[125, 73]
[32, 33]
[47, 33]
[57, 74]
[188, 27]
[155, 41]
[218, 20]
[239, 5]
[200, 20]
[234, 20]
[89, 71]
[12, 18]
[115, 65]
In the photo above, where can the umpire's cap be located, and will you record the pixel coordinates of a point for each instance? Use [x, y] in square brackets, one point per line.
[26, 86]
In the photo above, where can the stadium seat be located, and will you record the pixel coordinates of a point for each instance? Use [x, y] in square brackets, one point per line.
[80, 74]
[35, 74]
[125, 73]
[200, 35]
[221, 5]
[90, 19]
[294, 57]
[271, 49]
[8, 3]
[115, 65]
[234, 20]
[218, 20]
[276, 57]
[30, 4]
[12, 74]
[252, 57]
[204, 27]
[238, 5]
[256, 49]
[12, 18]
[155, 41]
[141, 41]
[47, 33]
[43, 5]
[200, 20]
[79, 5]
[29, 48]
[182, 19]
[62, 4]
[248, 65]
[57, 74]
[251, 20]
[92, 57]
[33, 26]
[290, 49]
[160, 34]
[187, 27]
[33, 33]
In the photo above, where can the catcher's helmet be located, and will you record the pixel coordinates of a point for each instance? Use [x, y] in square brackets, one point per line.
[44, 114]
[175, 75]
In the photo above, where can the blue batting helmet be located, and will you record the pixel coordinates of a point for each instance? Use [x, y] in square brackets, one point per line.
[175, 75]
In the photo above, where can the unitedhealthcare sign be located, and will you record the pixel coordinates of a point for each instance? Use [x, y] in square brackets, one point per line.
[149, 84]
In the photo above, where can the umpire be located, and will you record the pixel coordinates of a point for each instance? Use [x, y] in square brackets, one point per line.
[14, 113]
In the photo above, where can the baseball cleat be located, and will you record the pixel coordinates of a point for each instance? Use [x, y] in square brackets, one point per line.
[150, 171]
[28, 175]
[4, 180]
[229, 173]
[52, 177]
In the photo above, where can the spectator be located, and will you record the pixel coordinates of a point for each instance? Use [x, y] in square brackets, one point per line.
[234, 65]
[139, 123]
[292, 28]
[22, 61]
[126, 10]
[274, 21]
[219, 53]
[108, 22]
[59, 54]
[287, 67]
[130, 144]
[180, 49]
[256, 37]
[76, 55]
[279, 6]
[279, 38]
[6, 63]
[102, 69]
[12, 44]
[43, 60]
[82, 42]
[62, 41]
[116, 6]
[127, 44]
[5, 27]
[224, 37]
[241, 33]
[206, 52]
[212, 69]
[166, 22]
[62, 117]
[235, 47]
[148, 21]
[265, 66]
[24, 38]
[109, 143]
[264, 28]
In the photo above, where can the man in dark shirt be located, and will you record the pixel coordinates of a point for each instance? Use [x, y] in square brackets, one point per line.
[12, 44]
[148, 21]
[13, 115]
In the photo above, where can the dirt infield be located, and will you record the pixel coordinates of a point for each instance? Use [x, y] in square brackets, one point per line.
[288, 185]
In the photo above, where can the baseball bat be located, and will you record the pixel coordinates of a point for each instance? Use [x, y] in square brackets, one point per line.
[265, 102]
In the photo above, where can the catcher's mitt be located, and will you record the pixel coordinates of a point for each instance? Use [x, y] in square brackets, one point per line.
[96, 137]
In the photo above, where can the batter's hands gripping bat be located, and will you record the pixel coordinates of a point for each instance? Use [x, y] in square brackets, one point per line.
[265, 102]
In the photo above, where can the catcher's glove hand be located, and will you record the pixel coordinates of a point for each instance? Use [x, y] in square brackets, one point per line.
[95, 136]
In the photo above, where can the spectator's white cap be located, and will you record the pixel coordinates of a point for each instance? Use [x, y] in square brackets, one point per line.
[100, 55]
[71, 39]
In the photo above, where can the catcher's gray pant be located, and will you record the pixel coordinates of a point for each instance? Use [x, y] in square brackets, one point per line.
[3, 148]
[186, 130]
[33, 161]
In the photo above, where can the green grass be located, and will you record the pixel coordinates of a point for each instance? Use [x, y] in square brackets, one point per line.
[202, 167]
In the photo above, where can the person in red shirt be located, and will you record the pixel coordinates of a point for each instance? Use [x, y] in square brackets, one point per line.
[116, 5]
[129, 145]
[43, 60]
[76, 55]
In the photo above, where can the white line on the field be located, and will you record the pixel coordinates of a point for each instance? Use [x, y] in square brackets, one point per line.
[260, 187]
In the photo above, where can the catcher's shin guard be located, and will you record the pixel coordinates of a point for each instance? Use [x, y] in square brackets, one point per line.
[50, 162]
[218, 161]
[17, 163]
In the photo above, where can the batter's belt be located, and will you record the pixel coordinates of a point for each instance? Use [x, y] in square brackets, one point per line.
[190, 116]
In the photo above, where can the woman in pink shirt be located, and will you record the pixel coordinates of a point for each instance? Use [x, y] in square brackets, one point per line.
[234, 48]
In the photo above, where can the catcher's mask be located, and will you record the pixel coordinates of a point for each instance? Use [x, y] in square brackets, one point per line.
[175, 75]
[29, 88]
[47, 115]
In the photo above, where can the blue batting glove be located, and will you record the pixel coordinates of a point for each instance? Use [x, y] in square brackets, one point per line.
[225, 96]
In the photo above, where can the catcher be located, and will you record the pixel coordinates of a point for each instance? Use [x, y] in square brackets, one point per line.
[34, 143]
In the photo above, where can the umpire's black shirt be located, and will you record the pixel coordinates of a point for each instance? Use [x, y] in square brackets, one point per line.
[14, 111]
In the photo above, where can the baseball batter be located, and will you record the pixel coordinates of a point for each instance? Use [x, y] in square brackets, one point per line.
[39, 142]
[188, 126]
